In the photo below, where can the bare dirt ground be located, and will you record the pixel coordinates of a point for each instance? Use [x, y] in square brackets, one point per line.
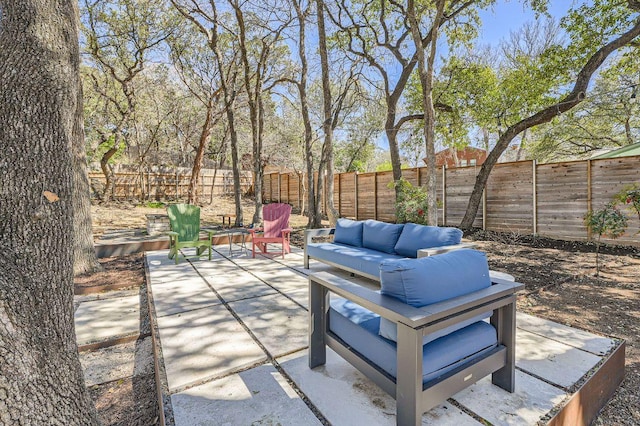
[560, 286]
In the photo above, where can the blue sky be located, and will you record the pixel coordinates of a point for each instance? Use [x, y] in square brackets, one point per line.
[505, 17]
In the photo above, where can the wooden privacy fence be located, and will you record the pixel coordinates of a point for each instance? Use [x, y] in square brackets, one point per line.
[169, 186]
[523, 197]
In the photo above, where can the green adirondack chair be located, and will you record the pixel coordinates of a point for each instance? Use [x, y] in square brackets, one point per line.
[184, 220]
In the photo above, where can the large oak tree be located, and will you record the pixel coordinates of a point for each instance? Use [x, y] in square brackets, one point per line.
[41, 379]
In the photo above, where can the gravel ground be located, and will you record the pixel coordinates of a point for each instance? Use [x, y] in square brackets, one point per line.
[560, 285]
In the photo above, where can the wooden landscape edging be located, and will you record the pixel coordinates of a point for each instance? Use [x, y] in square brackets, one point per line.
[585, 404]
[131, 247]
[156, 344]
[523, 197]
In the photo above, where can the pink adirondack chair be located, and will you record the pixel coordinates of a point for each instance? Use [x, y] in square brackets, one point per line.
[276, 229]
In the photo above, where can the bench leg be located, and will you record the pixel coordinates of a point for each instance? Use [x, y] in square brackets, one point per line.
[409, 380]
[504, 320]
[318, 309]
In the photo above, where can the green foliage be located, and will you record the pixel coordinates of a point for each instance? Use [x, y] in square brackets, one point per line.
[630, 197]
[154, 205]
[609, 222]
[386, 166]
[607, 118]
[411, 202]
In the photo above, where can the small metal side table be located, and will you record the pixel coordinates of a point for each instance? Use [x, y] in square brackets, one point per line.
[232, 232]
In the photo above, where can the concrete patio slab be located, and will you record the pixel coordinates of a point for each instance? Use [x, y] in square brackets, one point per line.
[557, 362]
[571, 336]
[346, 397]
[233, 283]
[170, 273]
[532, 399]
[301, 296]
[181, 296]
[278, 323]
[259, 396]
[283, 279]
[203, 344]
[99, 320]
[217, 373]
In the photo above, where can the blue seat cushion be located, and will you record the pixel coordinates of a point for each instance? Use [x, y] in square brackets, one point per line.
[415, 237]
[358, 327]
[421, 282]
[389, 329]
[364, 260]
[348, 232]
[380, 236]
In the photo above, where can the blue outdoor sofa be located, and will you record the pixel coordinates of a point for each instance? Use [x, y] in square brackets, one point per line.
[360, 246]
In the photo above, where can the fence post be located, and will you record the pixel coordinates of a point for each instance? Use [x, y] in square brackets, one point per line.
[339, 195]
[355, 194]
[279, 188]
[444, 195]
[201, 197]
[375, 195]
[535, 197]
[177, 185]
[589, 205]
[324, 193]
[299, 193]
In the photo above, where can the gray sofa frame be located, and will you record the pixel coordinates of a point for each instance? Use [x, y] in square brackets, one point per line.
[412, 397]
[309, 234]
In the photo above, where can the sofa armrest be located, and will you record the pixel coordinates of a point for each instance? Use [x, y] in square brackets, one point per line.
[432, 317]
[443, 249]
[309, 234]
[320, 232]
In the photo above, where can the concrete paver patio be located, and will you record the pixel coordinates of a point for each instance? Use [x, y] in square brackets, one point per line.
[233, 338]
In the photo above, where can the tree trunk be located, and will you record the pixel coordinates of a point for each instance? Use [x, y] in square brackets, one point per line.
[41, 380]
[545, 115]
[425, 70]
[235, 164]
[314, 215]
[107, 171]
[84, 254]
[327, 129]
[192, 191]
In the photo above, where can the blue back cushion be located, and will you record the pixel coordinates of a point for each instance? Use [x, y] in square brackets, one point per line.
[348, 232]
[421, 282]
[380, 236]
[415, 237]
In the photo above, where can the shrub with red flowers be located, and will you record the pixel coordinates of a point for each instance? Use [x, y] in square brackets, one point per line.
[630, 197]
[411, 203]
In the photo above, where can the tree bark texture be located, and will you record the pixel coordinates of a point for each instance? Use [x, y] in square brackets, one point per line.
[425, 70]
[545, 115]
[192, 192]
[41, 381]
[84, 254]
[315, 216]
[327, 149]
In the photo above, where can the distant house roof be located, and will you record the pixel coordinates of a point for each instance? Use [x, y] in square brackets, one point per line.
[469, 156]
[625, 151]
